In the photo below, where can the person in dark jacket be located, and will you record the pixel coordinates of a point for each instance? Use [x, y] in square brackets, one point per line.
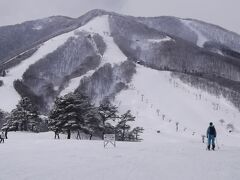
[211, 135]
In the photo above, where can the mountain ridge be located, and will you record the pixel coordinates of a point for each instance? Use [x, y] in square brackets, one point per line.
[139, 41]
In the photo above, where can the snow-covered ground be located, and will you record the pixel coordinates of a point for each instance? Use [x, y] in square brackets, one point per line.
[159, 101]
[27, 156]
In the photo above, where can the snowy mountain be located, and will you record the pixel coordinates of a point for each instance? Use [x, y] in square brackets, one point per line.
[165, 69]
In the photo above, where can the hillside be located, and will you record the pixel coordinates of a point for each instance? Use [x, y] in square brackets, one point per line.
[124, 58]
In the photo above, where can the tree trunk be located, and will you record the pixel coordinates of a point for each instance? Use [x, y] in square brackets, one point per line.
[78, 134]
[68, 134]
[6, 132]
[91, 136]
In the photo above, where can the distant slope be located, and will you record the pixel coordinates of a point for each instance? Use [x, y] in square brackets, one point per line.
[195, 31]
[159, 100]
[18, 38]
[97, 53]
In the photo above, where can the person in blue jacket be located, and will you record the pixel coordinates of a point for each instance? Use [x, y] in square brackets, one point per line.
[211, 135]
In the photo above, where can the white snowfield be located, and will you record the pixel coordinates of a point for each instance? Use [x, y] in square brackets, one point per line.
[27, 156]
[154, 94]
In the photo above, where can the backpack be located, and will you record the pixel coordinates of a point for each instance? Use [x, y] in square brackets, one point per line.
[212, 130]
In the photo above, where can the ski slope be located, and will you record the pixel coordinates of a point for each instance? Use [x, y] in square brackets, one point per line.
[8, 94]
[99, 25]
[151, 91]
[201, 38]
[27, 156]
[112, 55]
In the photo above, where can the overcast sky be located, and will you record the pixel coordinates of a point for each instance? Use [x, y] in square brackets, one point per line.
[225, 13]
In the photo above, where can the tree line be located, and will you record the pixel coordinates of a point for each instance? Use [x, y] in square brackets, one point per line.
[74, 113]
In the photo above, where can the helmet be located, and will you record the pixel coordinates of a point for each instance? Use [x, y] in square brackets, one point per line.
[210, 123]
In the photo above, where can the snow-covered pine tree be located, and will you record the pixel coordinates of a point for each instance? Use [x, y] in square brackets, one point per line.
[2, 117]
[24, 117]
[69, 113]
[123, 127]
[107, 112]
[136, 132]
[93, 125]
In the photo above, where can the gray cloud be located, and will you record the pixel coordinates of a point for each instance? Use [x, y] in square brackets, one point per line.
[221, 12]
[16, 11]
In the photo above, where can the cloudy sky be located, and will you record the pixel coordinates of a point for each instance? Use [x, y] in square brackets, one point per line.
[221, 12]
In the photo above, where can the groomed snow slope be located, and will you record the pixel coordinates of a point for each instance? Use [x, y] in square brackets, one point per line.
[27, 156]
[8, 94]
[99, 25]
[153, 90]
[112, 55]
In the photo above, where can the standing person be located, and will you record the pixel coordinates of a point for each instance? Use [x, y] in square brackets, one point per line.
[2, 137]
[6, 132]
[57, 133]
[211, 135]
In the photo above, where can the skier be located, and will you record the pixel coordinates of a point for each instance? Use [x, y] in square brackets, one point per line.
[211, 135]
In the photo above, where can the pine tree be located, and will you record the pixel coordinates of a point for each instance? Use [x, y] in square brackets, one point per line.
[93, 123]
[136, 131]
[123, 127]
[3, 118]
[24, 117]
[107, 112]
[69, 113]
